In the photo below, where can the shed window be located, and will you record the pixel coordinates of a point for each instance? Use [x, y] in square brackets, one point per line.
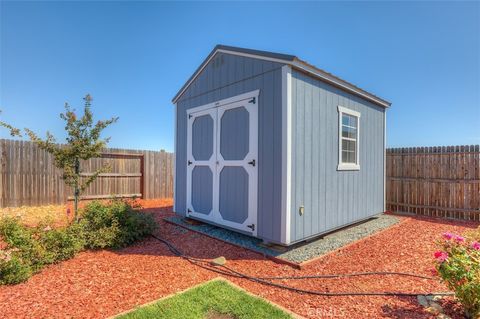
[348, 139]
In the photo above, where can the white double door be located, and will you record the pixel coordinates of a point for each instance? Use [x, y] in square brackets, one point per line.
[222, 162]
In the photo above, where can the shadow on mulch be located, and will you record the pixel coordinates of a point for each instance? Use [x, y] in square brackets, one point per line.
[413, 310]
[193, 244]
[438, 220]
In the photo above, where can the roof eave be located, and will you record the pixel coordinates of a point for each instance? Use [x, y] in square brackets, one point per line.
[333, 80]
[289, 60]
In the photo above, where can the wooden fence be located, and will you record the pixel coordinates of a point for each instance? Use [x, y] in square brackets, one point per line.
[29, 177]
[435, 181]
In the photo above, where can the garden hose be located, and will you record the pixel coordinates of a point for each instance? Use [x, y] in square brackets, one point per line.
[265, 280]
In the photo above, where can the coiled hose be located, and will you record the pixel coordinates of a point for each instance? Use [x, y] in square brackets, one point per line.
[265, 280]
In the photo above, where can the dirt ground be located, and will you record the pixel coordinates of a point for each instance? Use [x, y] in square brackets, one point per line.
[98, 284]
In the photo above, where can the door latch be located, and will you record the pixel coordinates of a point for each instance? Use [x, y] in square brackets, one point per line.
[252, 227]
[252, 101]
[252, 162]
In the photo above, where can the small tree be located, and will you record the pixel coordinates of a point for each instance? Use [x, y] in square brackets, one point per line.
[13, 131]
[83, 143]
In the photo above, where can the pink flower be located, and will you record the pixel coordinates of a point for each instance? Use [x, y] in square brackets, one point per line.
[476, 245]
[441, 256]
[459, 239]
[448, 236]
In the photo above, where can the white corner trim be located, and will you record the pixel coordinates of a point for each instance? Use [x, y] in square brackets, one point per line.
[385, 161]
[286, 153]
[348, 166]
[175, 159]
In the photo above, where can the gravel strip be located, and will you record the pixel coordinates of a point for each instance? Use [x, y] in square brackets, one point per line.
[301, 252]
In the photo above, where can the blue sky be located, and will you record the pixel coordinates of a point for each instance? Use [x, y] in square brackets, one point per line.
[133, 57]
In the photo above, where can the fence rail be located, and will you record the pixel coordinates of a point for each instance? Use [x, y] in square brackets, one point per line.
[435, 181]
[29, 177]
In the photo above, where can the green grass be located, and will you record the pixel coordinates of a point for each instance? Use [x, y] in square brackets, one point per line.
[215, 297]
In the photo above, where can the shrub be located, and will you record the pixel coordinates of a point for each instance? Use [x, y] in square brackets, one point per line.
[12, 269]
[458, 264]
[115, 224]
[60, 244]
[112, 225]
[23, 239]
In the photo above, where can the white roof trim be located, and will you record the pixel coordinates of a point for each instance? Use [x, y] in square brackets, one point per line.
[294, 64]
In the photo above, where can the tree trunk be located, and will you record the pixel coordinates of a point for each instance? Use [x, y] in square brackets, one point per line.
[76, 193]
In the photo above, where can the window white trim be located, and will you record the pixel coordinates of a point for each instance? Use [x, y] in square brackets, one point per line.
[348, 166]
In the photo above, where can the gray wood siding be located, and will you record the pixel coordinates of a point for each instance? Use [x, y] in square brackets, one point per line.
[226, 76]
[332, 198]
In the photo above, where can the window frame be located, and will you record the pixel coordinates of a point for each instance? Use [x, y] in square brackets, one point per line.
[341, 165]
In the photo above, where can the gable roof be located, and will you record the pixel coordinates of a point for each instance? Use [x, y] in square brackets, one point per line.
[291, 60]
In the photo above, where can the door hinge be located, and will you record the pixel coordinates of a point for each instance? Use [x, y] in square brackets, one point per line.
[252, 162]
[252, 227]
[189, 162]
[253, 100]
[189, 210]
[190, 116]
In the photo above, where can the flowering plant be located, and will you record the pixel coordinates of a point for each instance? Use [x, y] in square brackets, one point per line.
[458, 264]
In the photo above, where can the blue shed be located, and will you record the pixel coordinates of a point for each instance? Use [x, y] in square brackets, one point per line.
[273, 147]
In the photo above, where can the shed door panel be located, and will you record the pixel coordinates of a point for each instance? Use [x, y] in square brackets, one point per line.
[222, 165]
[201, 165]
[237, 164]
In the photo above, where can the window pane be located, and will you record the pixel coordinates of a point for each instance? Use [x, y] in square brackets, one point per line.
[344, 157]
[349, 120]
[353, 121]
[348, 145]
[349, 132]
[349, 137]
[351, 158]
[348, 157]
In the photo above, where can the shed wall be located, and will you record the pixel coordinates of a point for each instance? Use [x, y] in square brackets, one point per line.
[332, 198]
[223, 77]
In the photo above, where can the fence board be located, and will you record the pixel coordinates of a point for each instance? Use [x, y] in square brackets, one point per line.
[29, 177]
[435, 181]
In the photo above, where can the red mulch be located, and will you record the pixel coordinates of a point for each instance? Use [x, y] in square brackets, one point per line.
[103, 283]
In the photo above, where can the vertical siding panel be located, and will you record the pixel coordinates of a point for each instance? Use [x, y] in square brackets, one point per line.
[277, 155]
[316, 159]
[308, 218]
[323, 150]
[294, 189]
[267, 171]
[300, 157]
